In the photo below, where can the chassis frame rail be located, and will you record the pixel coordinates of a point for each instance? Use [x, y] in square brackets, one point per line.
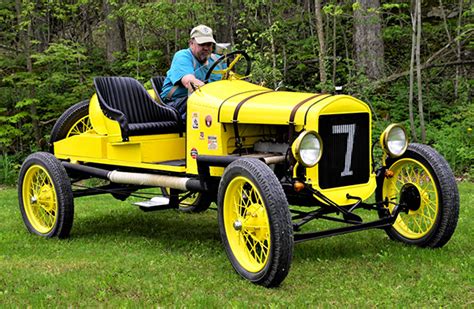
[382, 223]
[348, 217]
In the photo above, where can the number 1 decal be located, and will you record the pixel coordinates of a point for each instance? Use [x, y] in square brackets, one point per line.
[348, 129]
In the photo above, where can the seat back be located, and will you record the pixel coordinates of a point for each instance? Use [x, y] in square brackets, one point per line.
[128, 96]
[157, 84]
[125, 100]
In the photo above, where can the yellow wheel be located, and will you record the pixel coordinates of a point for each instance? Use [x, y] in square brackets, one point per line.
[423, 183]
[255, 222]
[75, 120]
[195, 202]
[44, 191]
[246, 224]
[80, 126]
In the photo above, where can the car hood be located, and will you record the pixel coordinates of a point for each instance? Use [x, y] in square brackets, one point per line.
[246, 103]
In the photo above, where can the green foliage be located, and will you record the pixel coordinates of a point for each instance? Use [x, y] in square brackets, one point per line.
[66, 41]
[9, 167]
[455, 141]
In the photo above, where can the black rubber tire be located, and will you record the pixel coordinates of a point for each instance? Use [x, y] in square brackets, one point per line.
[448, 197]
[68, 119]
[61, 185]
[281, 229]
[200, 204]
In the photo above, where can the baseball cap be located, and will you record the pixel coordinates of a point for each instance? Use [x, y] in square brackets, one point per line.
[202, 34]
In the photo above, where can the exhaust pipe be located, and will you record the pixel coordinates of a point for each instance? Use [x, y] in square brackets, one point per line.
[173, 182]
[149, 180]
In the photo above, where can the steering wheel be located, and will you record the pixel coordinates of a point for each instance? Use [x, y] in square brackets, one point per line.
[231, 59]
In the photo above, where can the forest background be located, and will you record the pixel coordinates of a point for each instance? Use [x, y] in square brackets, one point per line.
[411, 61]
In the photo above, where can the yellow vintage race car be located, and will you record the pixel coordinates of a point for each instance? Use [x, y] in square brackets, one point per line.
[259, 154]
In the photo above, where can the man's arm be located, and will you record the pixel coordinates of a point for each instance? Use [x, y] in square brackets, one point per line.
[182, 71]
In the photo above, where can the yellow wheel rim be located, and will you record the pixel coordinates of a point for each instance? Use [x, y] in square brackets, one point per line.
[190, 200]
[187, 202]
[417, 223]
[39, 199]
[81, 126]
[246, 224]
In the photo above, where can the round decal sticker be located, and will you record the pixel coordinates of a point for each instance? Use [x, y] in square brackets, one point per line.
[194, 153]
[208, 121]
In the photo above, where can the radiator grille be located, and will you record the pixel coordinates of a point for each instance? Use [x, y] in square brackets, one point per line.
[346, 150]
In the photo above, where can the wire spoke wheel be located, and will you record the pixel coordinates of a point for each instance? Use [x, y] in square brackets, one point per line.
[40, 199]
[246, 224]
[423, 183]
[44, 191]
[81, 126]
[194, 202]
[423, 211]
[255, 222]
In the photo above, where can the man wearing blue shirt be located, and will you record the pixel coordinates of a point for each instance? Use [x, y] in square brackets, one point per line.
[188, 69]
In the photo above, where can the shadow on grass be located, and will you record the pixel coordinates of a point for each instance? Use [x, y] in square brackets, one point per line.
[167, 226]
[347, 246]
[170, 228]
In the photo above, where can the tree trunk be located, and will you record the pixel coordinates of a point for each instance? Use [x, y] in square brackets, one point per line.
[322, 48]
[368, 43]
[458, 51]
[25, 41]
[225, 26]
[443, 14]
[418, 71]
[334, 41]
[272, 45]
[346, 50]
[115, 41]
[412, 65]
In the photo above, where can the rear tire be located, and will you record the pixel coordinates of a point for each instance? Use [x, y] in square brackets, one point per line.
[45, 195]
[424, 180]
[255, 223]
[195, 203]
[75, 120]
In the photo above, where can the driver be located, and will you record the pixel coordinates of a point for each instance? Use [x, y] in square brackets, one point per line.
[188, 69]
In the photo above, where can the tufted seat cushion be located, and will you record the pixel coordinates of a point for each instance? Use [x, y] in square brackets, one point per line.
[152, 127]
[125, 100]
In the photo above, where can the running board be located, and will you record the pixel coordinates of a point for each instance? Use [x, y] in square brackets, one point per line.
[156, 203]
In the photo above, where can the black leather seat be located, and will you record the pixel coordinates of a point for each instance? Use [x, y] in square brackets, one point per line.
[157, 84]
[125, 100]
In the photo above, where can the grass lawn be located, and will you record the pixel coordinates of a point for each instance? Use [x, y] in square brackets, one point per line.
[118, 255]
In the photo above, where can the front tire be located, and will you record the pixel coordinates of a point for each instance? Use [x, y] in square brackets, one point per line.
[423, 180]
[255, 223]
[45, 195]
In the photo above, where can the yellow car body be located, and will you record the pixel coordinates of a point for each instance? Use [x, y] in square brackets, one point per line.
[210, 131]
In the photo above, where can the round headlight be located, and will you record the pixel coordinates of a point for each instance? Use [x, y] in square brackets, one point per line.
[394, 140]
[307, 148]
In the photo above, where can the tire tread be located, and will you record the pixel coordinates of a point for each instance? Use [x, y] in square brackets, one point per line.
[62, 185]
[278, 212]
